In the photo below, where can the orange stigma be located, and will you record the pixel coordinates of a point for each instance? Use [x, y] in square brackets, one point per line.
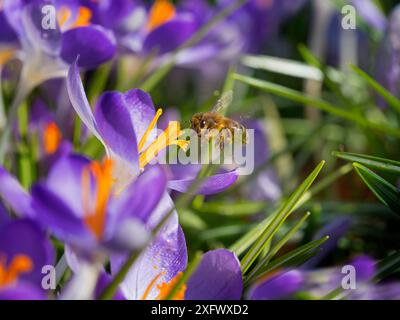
[82, 18]
[51, 138]
[165, 287]
[161, 12]
[6, 55]
[95, 218]
[18, 265]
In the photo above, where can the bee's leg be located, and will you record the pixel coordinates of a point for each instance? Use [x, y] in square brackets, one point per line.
[225, 137]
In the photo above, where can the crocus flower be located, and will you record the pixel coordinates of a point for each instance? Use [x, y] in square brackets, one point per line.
[218, 276]
[24, 251]
[79, 205]
[47, 49]
[125, 123]
[52, 142]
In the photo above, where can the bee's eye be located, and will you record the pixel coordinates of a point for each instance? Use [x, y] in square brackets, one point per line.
[202, 124]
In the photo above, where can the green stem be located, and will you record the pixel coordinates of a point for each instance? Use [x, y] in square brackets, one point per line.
[185, 277]
[23, 90]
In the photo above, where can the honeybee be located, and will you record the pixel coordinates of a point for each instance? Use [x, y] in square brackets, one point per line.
[203, 122]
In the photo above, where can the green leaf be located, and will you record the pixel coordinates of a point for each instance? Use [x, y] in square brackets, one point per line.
[383, 190]
[372, 162]
[320, 104]
[386, 95]
[235, 209]
[274, 250]
[98, 82]
[294, 257]
[283, 66]
[278, 220]
[387, 266]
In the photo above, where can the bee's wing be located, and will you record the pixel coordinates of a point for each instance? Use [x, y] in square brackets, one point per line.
[224, 101]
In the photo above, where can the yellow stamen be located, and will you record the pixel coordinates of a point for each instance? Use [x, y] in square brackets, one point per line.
[82, 19]
[63, 15]
[161, 12]
[149, 129]
[165, 287]
[6, 55]
[168, 137]
[102, 173]
[18, 265]
[51, 138]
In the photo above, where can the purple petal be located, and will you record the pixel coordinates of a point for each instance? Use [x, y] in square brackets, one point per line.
[47, 40]
[141, 109]
[280, 286]
[214, 184]
[25, 237]
[218, 277]
[370, 13]
[54, 214]
[93, 44]
[7, 33]
[170, 35]
[23, 291]
[166, 256]
[14, 195]
[103, 281]
[365, 267]
[112, 14]
[115, 126]
[128, 235]
[65, 181]
[142, 196]
[79, 100]
[4, 217]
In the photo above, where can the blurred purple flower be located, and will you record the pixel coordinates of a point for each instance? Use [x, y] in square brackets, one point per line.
[47, 51]
[279, 286]
[24, 251]
[371, 14]
[52, 143]
[79, 205]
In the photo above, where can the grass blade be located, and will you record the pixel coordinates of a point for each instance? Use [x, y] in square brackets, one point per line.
[386, 95]
[277, 221]
[292, 258]
[320, 104]
[383, 190]
[274, 250]
[372, 162]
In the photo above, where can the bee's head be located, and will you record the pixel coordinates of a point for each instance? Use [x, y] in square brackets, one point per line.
[196, 122]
